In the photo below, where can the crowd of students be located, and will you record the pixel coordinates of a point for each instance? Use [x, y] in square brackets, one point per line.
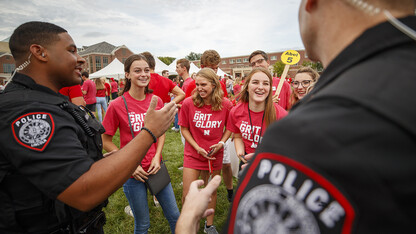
[214, 113]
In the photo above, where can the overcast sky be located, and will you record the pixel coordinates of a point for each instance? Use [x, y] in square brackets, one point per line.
[166, 27]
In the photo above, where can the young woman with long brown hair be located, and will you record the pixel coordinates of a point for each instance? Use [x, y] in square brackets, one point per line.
[255, 111]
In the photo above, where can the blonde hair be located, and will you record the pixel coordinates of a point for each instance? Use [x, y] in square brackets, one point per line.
[217, 93]
[99, 84]
[269, 109]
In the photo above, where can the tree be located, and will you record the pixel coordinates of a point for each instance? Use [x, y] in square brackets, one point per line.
[278, 68]
[193, 56]
[167, 60]
[317, 66]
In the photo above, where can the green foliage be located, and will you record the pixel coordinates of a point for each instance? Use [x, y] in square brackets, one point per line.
[167, 60]
[120, 222]
[278, 68]
[193, 56]
[317, 66]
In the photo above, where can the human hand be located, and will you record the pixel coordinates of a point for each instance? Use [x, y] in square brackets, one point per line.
[204, 153]
[140, 174]
[154, 166]
[196, 204]
[276, 99]
[158, 121]
[109, 153]
[247, 157]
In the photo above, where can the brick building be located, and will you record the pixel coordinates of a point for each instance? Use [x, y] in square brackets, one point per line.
[239, 66]
[6, 61]
[99, 55]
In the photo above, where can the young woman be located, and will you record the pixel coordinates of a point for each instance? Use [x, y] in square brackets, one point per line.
[255, 111]
[138, 97]
[202, 119]
[100, 97]
[303, 82]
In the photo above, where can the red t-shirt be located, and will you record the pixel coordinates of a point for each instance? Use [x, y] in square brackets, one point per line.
[107, 89]
[186, 84]
[239, 122]
[114, 87]
[100, 92]
[89, 97]
[206, 127]
[192, 87]
[116, 117]
[284, 93]
[161, 86]
[237, 89]
[71, 91]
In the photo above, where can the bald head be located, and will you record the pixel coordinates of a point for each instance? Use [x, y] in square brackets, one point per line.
[328, 26]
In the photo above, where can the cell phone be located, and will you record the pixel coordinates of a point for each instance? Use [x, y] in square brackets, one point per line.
[210, 152]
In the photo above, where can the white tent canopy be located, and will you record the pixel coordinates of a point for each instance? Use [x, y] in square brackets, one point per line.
[172, 68]
[160, 66]
[113, 70]
[193, 69]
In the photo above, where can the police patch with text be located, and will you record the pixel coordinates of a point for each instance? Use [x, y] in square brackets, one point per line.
[34, 130]
[280, 195]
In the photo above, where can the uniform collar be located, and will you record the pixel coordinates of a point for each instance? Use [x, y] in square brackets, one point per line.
[381, 37]
[20, 81]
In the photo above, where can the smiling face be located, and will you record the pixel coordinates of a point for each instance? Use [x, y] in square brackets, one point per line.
[139, 74]
[204, 87]
[299, 82]
[259, 87]
[64, 63]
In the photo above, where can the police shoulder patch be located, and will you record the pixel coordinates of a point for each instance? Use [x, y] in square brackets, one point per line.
[34, 130]
[281, 195]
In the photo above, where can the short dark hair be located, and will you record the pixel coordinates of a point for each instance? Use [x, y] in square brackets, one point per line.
[150, 59]
[184, 63]
[34, 32]
[257, 52]
[85, 74]
[164, 71]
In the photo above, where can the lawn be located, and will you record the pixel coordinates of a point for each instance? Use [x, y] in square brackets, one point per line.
[120, 222]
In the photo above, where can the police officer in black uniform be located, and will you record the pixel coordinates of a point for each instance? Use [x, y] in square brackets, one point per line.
[344, 159]
[53, 177]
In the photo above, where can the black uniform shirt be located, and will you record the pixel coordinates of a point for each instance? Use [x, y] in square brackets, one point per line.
[40, 140]
[344, 159]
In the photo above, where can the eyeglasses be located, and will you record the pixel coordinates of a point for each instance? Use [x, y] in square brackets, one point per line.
[259, 61]
[304, 83]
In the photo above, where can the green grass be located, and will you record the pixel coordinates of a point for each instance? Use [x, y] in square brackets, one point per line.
[119, 222]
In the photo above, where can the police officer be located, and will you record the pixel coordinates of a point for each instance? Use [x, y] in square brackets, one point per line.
[53, 178]
[343, 160]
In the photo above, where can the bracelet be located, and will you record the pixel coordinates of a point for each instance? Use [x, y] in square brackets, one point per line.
[221, 142]
[151, 133]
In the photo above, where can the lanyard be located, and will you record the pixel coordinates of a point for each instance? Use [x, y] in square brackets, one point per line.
[251, 124]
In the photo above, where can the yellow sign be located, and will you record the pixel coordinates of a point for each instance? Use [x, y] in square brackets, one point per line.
[290, 57]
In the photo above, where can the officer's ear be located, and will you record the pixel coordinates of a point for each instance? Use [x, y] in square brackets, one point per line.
[39, 52]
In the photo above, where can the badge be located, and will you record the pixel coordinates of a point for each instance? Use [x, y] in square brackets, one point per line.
[34, 130]
[280, 195]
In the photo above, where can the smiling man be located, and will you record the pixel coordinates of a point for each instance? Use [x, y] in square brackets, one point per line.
[53, 178]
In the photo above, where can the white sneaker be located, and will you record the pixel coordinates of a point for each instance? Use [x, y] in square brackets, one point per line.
[128, 211]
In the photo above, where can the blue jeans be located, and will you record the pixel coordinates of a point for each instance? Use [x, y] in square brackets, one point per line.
[101, 101]
[175, 123]
[136, 194]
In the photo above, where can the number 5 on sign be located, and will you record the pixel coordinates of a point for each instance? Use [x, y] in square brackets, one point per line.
[289, 57]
